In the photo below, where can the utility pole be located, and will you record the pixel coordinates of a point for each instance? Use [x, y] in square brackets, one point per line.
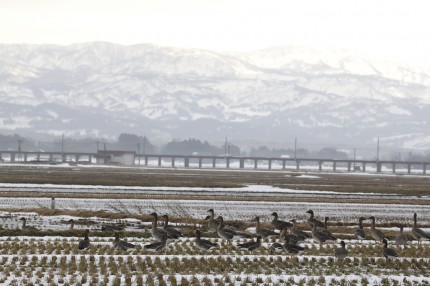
[354, 159]
[377, 150]
[225, 147]
[295, 148]
[62, 144]
[138, 152]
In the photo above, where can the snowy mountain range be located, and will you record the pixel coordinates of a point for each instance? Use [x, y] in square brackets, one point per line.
[318, 95]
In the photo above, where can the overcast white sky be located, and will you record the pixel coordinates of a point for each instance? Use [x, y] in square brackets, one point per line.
[396, 28]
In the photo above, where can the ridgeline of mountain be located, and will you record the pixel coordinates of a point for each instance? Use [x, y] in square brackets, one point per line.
[103, 89]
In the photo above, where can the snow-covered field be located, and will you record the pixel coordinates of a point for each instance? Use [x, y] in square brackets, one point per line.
[26, 258]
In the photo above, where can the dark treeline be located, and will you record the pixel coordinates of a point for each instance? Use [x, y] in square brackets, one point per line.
[191, 146]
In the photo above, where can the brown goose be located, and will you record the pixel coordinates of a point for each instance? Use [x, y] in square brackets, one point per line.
[359, 232]
[292, 249]
[204, 244]
[225, 233]
[25, 226]
[327, 232]
[251, 245]
[341, 252]
[292, 239]
[264, 232]
[418, 233]
[312, 220]
[85, 243]
[318, 236]
[212, 222]
[122, 245]
[158, 245]
[112, 227]
[72, 224]
[157, 233]
[171, 232]
[388, 253]
[401, 238]
[299, 233]
[279, 224]
[276, 247]
[376, 233]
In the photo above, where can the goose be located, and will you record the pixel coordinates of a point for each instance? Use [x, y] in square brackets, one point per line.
[292, 249]
[279, 224]
[359, 232]
[376, 233]
[251, 245]
[85, 243]
[72, 224]
[276, 247]
[158, 245]
[225, 233]
[299, 233]
[25, 226]
[264, 232]
[341, 252]
[318, 236]
[171, 232]
[212, 222]
[327, 232]
[418, 233]
[204, 244]
[284, 236]
[157, 233]
[122, 245]
[112, 227]
[312, 220]
[401, 238]
[388, 253]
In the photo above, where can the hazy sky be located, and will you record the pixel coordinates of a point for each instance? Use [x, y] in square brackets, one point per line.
[394, 28]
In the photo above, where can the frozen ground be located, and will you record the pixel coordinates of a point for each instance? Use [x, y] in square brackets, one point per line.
[28, 259]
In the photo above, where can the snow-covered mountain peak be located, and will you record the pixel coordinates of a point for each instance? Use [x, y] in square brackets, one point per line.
[105, 88]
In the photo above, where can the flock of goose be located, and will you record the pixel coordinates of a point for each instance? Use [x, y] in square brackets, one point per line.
[289, 235]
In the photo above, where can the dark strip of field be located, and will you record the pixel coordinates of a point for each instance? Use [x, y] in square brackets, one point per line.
[351, 183]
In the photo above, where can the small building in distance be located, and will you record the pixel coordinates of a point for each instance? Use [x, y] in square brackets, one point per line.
[114, 157]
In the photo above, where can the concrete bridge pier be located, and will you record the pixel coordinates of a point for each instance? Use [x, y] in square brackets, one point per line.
[200, 162]
[255, 163]
[320, 163]
[146, 160]
[12, 157]
[394, 168]
[187, 162]
[334, 166]
[297, 165]
[409, 168]
[25, 157]
[242, 163]
[378, 167]
[159, 161]
[51, 157]
[424, 169]
[349, 166]
[364, 167]
[270, 164]
[173, 162]
[214, 163]
[284, 162]
[227, 162]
